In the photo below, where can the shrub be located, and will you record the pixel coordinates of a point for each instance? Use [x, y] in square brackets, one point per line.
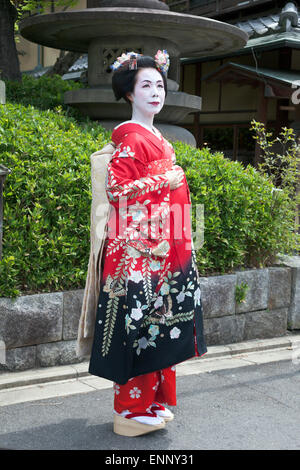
[281, 158]
[43, 93]
[246, 221]
[47, 195]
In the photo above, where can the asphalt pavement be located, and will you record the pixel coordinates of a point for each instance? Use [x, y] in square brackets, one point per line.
[238, 407]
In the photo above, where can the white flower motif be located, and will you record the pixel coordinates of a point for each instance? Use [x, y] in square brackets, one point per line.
[127, 152]
[175, 333]
[136, 276]
[136, 313]
[155, 265]
[142, 344]
[159, 302]
[135, 392]
[153, 330]
[180, 297]
[197, 296]
[117, 389]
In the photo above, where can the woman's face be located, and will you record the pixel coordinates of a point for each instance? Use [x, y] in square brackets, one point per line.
[148, 96]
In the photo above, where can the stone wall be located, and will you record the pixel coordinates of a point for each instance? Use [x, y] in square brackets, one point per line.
[262, 314]
[40, 330]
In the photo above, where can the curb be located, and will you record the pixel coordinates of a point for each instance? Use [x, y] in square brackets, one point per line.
[11, 380]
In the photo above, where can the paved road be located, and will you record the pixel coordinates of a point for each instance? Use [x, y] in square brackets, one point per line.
[253, 407]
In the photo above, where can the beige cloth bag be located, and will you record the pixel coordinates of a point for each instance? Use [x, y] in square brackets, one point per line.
[98, 230]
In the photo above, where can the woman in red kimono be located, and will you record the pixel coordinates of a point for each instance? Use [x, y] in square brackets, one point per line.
[149, 316]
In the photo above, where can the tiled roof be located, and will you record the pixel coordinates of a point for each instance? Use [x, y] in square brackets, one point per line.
[287, 20]
[80, 65]
[259, 26]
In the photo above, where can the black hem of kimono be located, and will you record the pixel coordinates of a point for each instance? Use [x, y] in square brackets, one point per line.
[92, 370]
[106, 368]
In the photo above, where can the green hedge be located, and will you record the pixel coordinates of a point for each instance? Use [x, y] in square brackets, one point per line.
[47, 199]
[43, 93]
[247, 222]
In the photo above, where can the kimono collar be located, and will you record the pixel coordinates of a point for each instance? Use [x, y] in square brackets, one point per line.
[128, 127]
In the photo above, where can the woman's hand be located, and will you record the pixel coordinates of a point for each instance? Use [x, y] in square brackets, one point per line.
[175, 178]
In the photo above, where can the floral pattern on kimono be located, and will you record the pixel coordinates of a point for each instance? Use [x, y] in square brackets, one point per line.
[149, 314]
[139, 393]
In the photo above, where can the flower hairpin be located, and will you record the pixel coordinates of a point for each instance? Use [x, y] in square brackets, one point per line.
[130, 56]
[161, 58]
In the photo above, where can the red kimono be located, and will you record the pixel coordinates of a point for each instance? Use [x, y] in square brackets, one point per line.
[149, 315]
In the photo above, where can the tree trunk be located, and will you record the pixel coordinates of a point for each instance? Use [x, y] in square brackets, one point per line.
[9, 61]
[63, 63]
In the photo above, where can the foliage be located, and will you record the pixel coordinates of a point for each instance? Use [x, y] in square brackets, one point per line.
[47, 196]
[281, 164]
[43, 92]
[240, 292]
[37, 6]
[246, 222]
[281, 158]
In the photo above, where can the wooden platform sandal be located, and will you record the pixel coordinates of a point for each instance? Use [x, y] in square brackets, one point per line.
[137, 424]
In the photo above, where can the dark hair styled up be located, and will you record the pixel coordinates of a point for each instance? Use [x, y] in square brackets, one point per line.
[124, 80]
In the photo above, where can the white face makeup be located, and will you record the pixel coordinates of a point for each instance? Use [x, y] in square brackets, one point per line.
[148, 96]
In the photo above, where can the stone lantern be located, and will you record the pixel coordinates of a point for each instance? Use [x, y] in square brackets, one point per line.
[107, 28]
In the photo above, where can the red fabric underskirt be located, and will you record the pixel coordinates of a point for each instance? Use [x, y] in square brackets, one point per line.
[138, 394]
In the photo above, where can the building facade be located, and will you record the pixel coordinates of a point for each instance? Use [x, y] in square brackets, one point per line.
[260, 81]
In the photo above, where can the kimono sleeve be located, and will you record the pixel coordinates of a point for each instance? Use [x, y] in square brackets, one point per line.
[142, 202]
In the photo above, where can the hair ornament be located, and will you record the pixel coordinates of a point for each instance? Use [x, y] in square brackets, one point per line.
[162, 60]
[130, 57]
